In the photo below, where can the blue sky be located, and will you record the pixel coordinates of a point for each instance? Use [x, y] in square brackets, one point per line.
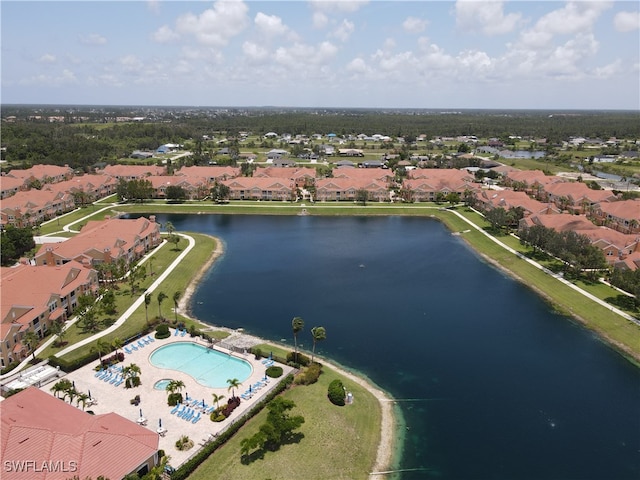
[373, 54]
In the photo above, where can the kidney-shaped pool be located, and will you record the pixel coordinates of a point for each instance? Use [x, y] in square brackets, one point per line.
[208, 367]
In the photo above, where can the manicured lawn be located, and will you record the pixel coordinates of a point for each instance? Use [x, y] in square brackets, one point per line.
[338, 442]
[176, 282]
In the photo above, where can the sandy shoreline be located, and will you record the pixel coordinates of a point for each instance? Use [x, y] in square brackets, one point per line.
[388, 441]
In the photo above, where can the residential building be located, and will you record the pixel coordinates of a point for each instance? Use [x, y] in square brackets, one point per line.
[623, 215]
[46, 438]
[35, 296]
[104, 241]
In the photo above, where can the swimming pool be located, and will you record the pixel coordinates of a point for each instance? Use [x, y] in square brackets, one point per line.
[208, 367]
[162, 384]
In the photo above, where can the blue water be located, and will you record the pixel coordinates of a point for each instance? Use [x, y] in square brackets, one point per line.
[162, 384]
[208, 367]
[491, 382]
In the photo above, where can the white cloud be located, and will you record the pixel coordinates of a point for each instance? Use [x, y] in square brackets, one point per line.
[609, 71]
[627, 21]
[337, 6]
[414, 25]
[153, 6]
[305, 54]
[344, 30]
[256, 54]
[270, 24]
[357, 65]
[93, 39]
[573, 18]
[320, 20]
[165, 35]
[485, 16]
[213, 27]
[67, 77]
[47, 58]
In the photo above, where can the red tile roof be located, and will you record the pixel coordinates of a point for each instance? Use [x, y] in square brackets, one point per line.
[41, 428]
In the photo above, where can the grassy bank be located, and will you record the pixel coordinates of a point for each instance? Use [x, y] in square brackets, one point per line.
[615, 330]
[338, 442]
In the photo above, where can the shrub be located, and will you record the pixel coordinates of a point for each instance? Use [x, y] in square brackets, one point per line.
[309, 375]
[217, 416]
[184, 443]
[336, 392]
[258, 353]
[232, 404]
[132, 382]
[274, 371]
[162, 331]
[174, 399]
[303, 360]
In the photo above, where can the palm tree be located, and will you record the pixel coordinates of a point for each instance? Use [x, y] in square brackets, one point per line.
[233, 384]
[216, 399]
[31, 340]
[117, 344]
[131, 373]
[102, 346]
[175, 386]
[82, 398]
[72, 393]
[319, 334]
[176, 297]
[161, 297]
[61, 386]
[147, 301]
[297, 324]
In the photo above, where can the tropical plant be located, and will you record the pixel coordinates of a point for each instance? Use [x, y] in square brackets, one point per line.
[233, 384]
[216, 399]
[31, 340]
[161, 298]
[101, 346]
[175, 386]
[57, 329]
[147, 301]
[82, 398]
[117, 344]
[131, 373]
[184, 443]
[277, 429]
[176, 298]
[319, 334]
[297, 324]
[61, 386]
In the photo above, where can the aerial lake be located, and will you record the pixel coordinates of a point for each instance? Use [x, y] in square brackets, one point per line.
[491, 382]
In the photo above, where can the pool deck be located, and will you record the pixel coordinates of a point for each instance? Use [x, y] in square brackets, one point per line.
[153, 403]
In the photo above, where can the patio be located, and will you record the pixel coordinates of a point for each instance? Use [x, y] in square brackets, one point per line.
[153, 407]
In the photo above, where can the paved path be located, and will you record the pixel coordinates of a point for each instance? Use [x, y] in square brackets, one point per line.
[139, 301]
[549, 272]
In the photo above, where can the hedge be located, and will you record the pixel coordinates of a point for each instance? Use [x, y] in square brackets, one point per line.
[194, 462]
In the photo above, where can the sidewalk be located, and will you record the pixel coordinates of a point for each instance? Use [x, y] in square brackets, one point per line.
[549, 272]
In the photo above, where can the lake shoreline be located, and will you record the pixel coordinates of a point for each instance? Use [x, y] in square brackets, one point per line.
[389, 450]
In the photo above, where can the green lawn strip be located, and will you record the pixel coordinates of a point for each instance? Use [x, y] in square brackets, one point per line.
[338, 442]
[87, 213]
[178, 281]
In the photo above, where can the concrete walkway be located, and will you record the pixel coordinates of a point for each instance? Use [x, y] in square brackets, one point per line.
[549, 272]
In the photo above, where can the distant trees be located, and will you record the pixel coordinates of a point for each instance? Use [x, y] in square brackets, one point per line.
[575, 250]
[15, 243]
[176, 193]
[134, 190]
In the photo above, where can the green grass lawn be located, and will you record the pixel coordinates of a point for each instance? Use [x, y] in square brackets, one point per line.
[338, 442]
[176, 282]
